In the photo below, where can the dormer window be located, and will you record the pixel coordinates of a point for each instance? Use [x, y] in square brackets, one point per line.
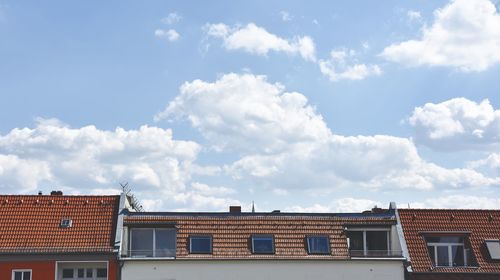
[493, 246]
[152, 242]
[448, 251]
[369, 242]
[66, 223]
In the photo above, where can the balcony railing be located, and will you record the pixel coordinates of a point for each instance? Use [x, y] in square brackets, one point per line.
[375, 253]
[161, 253]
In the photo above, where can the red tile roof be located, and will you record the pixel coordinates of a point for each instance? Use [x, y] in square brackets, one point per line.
[231, 233]
[31, 223]
[480, 225]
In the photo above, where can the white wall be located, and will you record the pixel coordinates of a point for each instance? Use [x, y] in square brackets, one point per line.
[262, 270]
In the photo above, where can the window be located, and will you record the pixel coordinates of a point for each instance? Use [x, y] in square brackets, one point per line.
[90, 273]
[318, 245]
[67, 273]
[448, 250]
[66, 223]
[147, 242]
[21, 274]
[200, 244]
[493, 247]
[369, 242]
[262, 244]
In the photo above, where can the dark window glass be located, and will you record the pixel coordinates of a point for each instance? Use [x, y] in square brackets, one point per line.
[18, 276]
[200, 244]
[102, 272]
[165, 242]
[376, 240]
[457, 254]
[26, 275]
[81, 272]
[142, 242]
[442, 255]
[355, 240]
[67, 273]
[89, 273]
[262, 244]
[318, 245]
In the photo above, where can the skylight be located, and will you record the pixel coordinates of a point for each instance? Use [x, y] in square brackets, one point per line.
[262, 244]
[66, 223]
[318, 245]
[493, 248]
[200, 244]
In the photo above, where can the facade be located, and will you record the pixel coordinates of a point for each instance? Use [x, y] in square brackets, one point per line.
[275, 245]
[45, 237]
[451, 244]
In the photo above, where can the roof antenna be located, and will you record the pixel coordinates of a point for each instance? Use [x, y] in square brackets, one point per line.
[253, 207]
[409, 205]
[134, 202]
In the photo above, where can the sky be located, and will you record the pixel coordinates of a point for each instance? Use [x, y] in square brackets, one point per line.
[293, 105]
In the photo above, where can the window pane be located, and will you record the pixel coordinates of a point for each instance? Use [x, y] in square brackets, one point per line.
[262, 244]
[67, 273]
[376, 240]
[80, 272]
[432, 254]
[18, 276]
[90, 273]
[142, 242]
[318, 244]
[165, 242]
[443, 258]
[102, 272]
[355, 240]
[27, 275]
[201, 244]
[457, 254]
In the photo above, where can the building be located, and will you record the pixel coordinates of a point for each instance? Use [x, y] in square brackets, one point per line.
[271, 245]
[451, 244]
[45, 237]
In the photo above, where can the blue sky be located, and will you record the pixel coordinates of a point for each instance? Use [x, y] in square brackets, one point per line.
[297, 106]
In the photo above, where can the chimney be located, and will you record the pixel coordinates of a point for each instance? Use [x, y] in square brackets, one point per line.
[378, 210]
[234, 209]
[40, 193]
[276, 211]
[56, 193]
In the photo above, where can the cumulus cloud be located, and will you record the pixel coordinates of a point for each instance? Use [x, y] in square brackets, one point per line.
[414, 15]
[464, 35]
[285, 16]
[55, 155]
[489, 165]
[171, 35]
[347, 205]
[284, 142]
[342, 65]
[458, 202]
[257, 40]
[172, 18]
[456, 124]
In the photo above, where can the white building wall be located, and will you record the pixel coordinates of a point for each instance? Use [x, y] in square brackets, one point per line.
[263, 270]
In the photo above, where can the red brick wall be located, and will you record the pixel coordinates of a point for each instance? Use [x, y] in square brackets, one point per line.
[41, 270]
[454, 276]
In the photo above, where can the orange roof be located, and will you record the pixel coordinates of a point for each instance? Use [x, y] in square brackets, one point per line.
[231, 233]
[478, 225]
[31, 223]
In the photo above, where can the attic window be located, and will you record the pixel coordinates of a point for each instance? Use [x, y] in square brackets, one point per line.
[493, 246]
[66, 223]
[318, 245]
[262, 244]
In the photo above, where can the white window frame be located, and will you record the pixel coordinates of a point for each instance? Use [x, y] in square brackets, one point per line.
[131, 230]
[450, 246]
[94, 265]
[318, 236]
[22, 270]
[364, 230]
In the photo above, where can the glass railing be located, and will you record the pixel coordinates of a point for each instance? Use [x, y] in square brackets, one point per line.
[161, 253]
[375, 253]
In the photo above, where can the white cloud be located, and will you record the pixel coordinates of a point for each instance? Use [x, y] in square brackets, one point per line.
[489, 165]
[171, 18]
[341, 65]
[457, 124]
[414, 15]
[53, 155]
[257, 40]
[464, 35]
[346, 205]
[170, 34]
[285, 16]
[458, 202]
[283, 142]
